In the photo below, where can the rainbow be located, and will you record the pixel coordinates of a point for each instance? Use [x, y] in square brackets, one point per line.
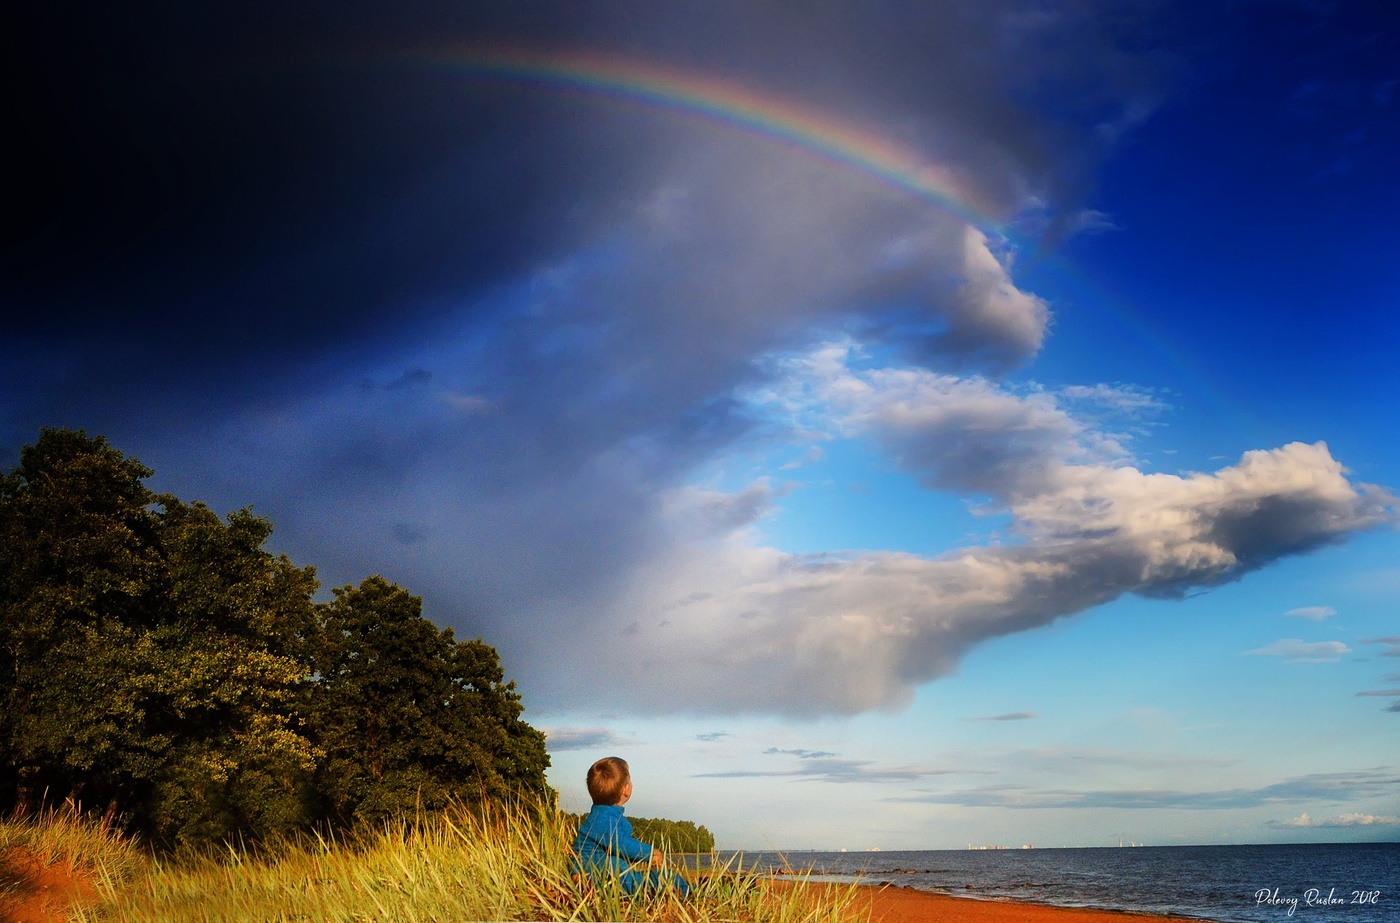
[773, 118]
[739, 108]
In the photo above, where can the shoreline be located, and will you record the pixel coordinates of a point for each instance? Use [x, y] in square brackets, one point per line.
[891, 903]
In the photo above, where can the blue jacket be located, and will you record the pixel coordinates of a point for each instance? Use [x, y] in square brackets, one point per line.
[605, 843]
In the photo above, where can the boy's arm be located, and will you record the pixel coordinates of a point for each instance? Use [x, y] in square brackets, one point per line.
[633, 849]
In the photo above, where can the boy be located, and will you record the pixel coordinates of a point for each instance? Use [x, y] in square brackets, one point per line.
[605, 846]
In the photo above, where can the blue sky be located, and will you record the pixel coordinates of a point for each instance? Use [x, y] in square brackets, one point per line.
[848, 523]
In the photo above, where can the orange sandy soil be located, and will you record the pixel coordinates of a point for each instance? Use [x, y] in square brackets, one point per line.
[33, 893]
[892, 904]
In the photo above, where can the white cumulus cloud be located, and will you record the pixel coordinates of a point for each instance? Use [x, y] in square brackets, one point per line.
[753, 628]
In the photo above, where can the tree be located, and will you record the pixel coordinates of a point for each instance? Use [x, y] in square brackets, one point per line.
[78, 567]
[233, 646]
[147, 650]
[409, 717]
[674, 835]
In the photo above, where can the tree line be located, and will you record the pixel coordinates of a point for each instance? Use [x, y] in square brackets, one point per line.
[673, 835]
[160, 666]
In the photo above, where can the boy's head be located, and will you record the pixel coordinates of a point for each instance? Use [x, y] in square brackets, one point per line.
[609, 781]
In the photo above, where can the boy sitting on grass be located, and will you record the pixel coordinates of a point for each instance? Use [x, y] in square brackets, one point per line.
[605, 847]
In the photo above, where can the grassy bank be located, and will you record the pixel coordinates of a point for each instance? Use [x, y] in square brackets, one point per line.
[501, 864]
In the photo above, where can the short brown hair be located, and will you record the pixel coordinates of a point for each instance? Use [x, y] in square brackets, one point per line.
[607, 778]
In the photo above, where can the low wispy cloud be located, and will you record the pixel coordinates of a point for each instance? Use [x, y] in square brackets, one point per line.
[1079, 762]
[813, 455]
[833, 770]
[1342, 820]
[800, 754]
[1312, 613]
[1392, 694]
[1091, 221]
[411, 378]
[1337, 786]
[595, 738]
[1391, 643]
[1127, 399]
[1295, 650]
[713, 736]
[1009, 716]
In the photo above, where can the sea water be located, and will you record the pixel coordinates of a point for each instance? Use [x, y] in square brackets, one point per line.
[1315, 883]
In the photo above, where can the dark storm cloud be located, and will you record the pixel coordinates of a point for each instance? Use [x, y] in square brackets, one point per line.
[216, 197]
[213, 199]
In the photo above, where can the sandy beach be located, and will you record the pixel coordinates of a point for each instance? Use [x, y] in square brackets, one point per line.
[893, 904]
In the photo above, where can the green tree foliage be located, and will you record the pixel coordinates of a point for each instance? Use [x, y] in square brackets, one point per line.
[233, 643]
[158, 663]
[407, 716]
[673, 836]
[79, 566]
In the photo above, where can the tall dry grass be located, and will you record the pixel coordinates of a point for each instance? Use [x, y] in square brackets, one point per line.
[497, 863]
[63, 838]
